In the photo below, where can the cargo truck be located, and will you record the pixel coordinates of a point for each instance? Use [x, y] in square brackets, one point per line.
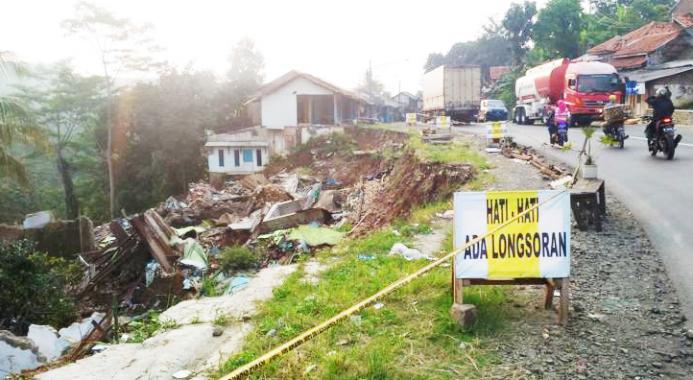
[584, 86]
[452, 91]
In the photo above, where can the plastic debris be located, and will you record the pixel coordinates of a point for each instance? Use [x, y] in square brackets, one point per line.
[315, 236]
[237, 283]
[365, 257]
[187, 230]
[378, 305]
[409, 254]
[38, 219]
[150, 272]
[193, 254]
[182, 374]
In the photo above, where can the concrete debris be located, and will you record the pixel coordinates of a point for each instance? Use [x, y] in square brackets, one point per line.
[46, 339]
[18, 353]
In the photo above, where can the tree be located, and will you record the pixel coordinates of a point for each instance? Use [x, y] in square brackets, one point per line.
[517, 26]
[16, 127]
[166, 123]
[612, 18]
[243, 79]
[434, 60]
[558, 28]
[63, 111]
[370, 85]
[121, 46]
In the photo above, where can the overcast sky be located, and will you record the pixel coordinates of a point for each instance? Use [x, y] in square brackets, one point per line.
[334, 40]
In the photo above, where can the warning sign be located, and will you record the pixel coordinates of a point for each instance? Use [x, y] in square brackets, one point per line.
[411, 118]
[443, 121]
[537, 245]
[496, 130]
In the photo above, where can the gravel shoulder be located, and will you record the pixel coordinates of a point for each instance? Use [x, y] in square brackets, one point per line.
[625, 318]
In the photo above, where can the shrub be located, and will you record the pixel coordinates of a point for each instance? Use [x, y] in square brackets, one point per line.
[34, 287]
[237, 258]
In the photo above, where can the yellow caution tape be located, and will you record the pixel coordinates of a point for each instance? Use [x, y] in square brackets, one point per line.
[246, 369]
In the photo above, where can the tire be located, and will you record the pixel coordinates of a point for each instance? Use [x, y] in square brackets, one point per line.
[653, 149]
[670, 148]
[520, 116]
[530, 121]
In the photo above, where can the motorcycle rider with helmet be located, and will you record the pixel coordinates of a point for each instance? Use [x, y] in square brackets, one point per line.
[661, 107]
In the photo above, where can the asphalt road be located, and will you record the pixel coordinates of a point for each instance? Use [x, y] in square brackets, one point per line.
[658, 192]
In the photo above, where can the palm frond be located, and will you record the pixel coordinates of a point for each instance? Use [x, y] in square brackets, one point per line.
[12, 168]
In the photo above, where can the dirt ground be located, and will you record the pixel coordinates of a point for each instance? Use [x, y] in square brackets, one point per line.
[625, 319]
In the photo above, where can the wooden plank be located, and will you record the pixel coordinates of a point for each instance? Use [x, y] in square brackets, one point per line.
[511, 281]
[155, 249]
[564, 305]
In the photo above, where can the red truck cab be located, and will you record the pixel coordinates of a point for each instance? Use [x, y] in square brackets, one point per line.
[587, 88]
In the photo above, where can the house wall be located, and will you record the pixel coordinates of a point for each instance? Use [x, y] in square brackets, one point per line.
[279, 109]
[680, 85]
[229, 167]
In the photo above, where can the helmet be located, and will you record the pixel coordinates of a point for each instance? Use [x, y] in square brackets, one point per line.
[661, 91]
[612, 98]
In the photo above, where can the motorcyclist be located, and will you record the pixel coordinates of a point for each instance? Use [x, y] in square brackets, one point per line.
[561, 116]
[661, 107]
[610, 124]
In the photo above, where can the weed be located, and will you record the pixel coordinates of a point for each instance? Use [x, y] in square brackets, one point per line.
[236, 258]
[147, 325]
[221, 319]
[209, 286]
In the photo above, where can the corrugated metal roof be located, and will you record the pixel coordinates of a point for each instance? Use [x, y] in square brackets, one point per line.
[650, 75]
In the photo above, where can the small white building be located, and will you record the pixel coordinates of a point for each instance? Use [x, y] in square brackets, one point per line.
[287, 111]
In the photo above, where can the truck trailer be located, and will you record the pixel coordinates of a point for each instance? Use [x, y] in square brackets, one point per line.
[584, 86]
[452, 91]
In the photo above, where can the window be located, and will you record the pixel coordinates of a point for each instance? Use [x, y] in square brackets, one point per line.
[236, 158]
[258, 156]
[571, 83]
[221, 158]
[247, 155]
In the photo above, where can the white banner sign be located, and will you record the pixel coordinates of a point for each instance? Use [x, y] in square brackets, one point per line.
[535, 246]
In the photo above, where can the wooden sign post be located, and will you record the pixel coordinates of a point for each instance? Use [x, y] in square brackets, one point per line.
[532, 250]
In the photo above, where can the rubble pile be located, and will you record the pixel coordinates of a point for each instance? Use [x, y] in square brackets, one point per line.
[167, 254]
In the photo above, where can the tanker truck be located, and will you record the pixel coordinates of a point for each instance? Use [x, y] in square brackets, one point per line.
[584, 86]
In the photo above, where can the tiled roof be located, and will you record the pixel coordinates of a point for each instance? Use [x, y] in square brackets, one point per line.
[641, 41]
[685, 21]
[628, 62]
[280, 82]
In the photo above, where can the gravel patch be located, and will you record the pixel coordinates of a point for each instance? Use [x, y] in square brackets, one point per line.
[625, 318]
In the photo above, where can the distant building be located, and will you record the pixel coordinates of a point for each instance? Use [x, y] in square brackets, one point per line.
[655, 55]
[285, 112]
[408, 103]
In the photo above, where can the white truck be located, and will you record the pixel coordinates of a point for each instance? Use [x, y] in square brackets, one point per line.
[452, 91]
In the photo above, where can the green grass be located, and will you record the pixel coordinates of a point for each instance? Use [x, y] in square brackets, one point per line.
[457, 152]
[411, 336]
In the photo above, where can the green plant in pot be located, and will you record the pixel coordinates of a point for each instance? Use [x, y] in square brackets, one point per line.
[589, 166]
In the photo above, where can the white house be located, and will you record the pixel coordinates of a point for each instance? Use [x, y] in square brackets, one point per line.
[287, 111]
[297, 99]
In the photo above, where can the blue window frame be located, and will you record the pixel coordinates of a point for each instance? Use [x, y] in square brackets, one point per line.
[247, 155]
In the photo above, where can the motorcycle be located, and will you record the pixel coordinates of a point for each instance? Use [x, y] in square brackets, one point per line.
[665, 139]
[558, 133]
[616, 132]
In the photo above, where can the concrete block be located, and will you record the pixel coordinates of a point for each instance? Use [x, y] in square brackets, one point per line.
[464, 314]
